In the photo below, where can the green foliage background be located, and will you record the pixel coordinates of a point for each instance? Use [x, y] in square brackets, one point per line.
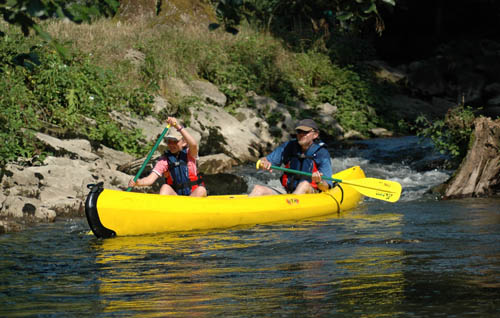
[452, 134]
[47, 91]
[62, 87]
[42, 91]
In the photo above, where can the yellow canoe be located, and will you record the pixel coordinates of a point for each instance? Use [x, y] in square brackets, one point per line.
[111, 212]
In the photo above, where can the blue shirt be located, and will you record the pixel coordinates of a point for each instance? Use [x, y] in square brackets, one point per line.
[285, 152]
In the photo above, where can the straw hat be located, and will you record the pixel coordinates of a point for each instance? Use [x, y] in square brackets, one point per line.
[174, 135]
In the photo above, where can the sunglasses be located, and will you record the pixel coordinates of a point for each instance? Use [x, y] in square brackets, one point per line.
[172, 141]
[303, 132]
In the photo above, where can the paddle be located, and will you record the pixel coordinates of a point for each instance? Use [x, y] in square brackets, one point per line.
[374, 188]
[150, 155]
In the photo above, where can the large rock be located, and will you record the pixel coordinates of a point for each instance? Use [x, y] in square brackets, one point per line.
[386, 72]
[479, 173]
[176, 88]
[150, 126]
[250, 118]
[468, 87]
[160, 104]
[74, 148]
[113, 158]
[209, 92]
[410, 109]
[27, 208]
[213, 164]
[427, 78]
[282, 123]
[327, 113]
[223, 133]
[56, 188]
[225, 184]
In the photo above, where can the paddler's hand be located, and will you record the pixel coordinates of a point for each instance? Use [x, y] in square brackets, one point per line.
[316, 177]
[264, 164]
[132, 183]
[172, 121]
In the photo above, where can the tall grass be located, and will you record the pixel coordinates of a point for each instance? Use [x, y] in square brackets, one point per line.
[179, 52]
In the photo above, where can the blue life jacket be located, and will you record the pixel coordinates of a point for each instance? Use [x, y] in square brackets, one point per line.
[294, 158]
[180, 178]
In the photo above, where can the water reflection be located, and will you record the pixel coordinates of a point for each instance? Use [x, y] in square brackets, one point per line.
[259, 270]
[156, 274]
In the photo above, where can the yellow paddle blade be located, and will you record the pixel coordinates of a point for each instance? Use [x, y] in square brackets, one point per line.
[374, 188]
[385, 190]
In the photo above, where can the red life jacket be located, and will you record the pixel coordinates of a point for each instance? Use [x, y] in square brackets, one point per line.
[284, 177]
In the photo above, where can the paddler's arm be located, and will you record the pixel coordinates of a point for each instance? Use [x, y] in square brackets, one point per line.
[192, 144]
[275, 158]
[324, 169]
[146, 181]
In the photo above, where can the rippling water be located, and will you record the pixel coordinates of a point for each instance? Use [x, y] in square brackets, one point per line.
[417, 258]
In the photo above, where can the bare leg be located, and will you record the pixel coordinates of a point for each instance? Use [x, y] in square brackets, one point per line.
[200, 191]
[259, 190]
[304, 187]
[167, 190]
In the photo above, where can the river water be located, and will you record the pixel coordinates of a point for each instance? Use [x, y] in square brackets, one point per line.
[419, 257]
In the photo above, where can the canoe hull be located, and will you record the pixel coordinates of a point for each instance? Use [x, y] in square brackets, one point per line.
[112, 212]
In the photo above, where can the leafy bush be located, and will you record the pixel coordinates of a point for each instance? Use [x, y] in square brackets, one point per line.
[42, 90]
[257, 63]
[22, 12]
[452, 134]
[317, 80]
[244, 64]
[15, 140]
[249, 63]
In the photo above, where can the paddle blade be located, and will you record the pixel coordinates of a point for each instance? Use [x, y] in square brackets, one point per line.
[385, 190]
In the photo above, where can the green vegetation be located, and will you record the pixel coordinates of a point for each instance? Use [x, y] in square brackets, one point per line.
[253, 61]
[57, 93]
[67, 79]
[278, 15]
[26, 13]
[72, 94]
[41, 91]
[452, 134]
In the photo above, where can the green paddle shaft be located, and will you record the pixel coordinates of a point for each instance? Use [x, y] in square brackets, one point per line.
[298, 172]
[385, 190]
[304, 173]
[150, 155]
